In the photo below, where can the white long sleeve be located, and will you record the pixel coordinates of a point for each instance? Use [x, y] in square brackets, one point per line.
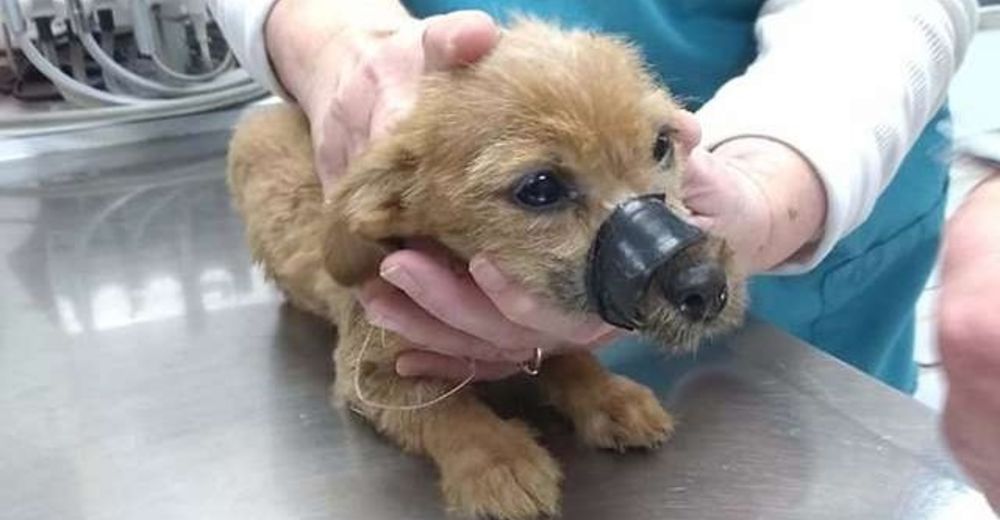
[242, 22]
[850, 84]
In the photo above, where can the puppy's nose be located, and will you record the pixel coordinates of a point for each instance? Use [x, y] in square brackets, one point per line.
[698, 290]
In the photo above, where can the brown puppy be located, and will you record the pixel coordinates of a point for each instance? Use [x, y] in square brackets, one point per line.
[463, 168]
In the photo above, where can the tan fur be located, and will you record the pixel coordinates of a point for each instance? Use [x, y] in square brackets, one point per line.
[545, 97]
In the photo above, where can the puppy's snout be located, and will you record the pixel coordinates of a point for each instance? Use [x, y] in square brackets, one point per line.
[639, 239]
[697, 290]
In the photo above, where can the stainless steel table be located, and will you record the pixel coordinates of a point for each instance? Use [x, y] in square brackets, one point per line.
[148, 371]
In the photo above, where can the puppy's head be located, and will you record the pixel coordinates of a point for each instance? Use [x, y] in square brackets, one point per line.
[554, 155]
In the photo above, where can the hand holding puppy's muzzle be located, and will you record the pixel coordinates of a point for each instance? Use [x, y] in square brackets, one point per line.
[638, 249]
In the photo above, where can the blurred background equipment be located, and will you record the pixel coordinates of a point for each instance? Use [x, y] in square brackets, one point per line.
[72, 64]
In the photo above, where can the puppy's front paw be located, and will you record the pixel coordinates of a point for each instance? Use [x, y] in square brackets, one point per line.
[622, 414]
[509, 478]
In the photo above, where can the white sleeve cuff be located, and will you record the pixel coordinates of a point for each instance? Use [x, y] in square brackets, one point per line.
[242, 22]
[850, 85]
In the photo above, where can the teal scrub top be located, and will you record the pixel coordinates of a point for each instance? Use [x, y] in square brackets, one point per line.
[858, 304]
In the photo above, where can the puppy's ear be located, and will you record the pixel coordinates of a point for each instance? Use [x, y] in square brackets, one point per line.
[367, 212]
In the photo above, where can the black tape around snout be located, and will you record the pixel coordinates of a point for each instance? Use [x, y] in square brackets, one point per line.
[639, 237]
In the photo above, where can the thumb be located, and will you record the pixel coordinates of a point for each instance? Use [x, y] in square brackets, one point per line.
[458, 38]
[688, 130]
[708, 188]
[700, 173]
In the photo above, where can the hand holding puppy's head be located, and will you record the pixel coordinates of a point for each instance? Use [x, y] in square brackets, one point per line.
[558, 156]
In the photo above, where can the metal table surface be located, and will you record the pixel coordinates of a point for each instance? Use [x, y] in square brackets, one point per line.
[147, 370]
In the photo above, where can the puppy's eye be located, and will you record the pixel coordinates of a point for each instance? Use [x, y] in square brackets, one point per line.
[542, 190]
[663, 148]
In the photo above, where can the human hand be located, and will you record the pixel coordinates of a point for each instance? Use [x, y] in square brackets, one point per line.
[359, 77]
[968, 322]
[759, 195]
[450, 313]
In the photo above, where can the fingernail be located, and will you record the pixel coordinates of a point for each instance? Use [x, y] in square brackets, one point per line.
[449, 42]
[377, 316]
[699, 158]
[404, 368]
[399, 277]
[487, 275]
[601, 331]
[378, 320]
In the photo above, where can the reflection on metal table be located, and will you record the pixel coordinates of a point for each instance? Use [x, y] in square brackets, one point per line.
[147, 370]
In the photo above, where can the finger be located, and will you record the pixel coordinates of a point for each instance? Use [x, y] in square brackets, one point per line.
[707, 188]
[697, 168]
[345, 125]
[608, 338]
[388, 308]
[391, 107]
[706, 224]
[331, 153]
[428, 364]
[520, 307]
[381, 88]
[688, 130]
[439, 43]
[458, 38]
[438, 252]
[456, 300]
[395, 73]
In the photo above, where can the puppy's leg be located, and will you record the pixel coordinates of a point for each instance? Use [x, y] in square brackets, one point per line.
[607, 410]
[489, 467]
